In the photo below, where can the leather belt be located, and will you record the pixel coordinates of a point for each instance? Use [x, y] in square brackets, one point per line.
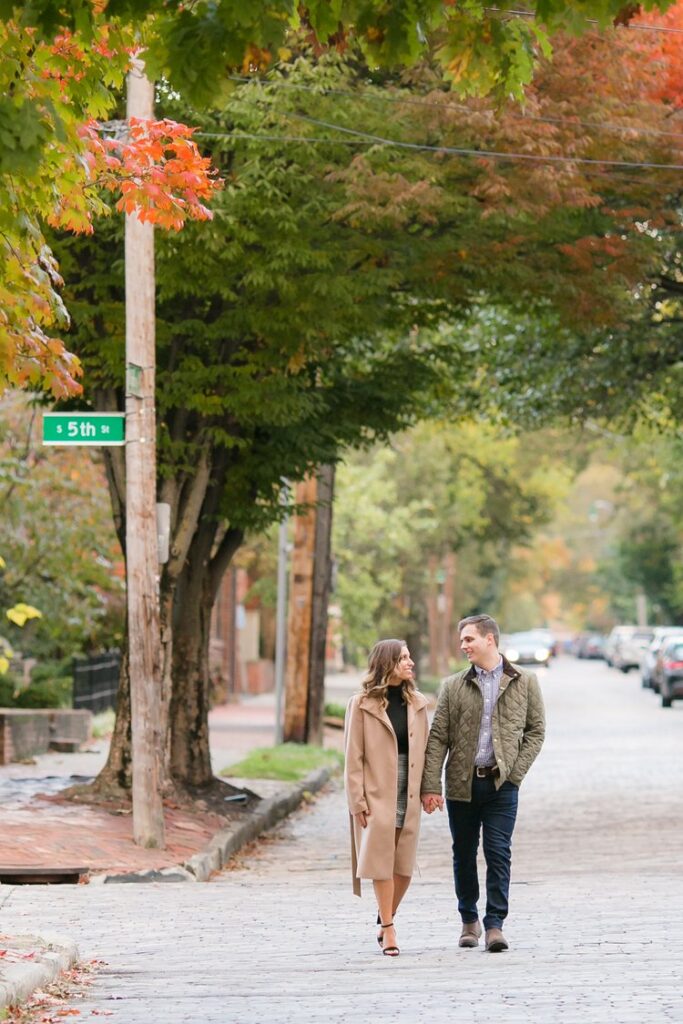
[485, 771]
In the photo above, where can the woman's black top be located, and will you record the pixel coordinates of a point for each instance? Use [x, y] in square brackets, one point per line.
[397, 711]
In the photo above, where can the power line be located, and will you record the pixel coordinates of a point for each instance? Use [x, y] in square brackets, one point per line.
[494, 154]
[412, 101]
[378, 140]
[591, 21]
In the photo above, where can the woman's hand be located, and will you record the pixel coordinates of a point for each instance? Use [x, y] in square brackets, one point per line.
[430, 802]
[362, 819]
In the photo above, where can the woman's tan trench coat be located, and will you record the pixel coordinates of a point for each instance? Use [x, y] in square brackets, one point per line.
[371, 781]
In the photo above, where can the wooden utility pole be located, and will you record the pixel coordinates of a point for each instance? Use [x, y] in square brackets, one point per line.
[307, 623]
[299, 619]
[142, 565]
[320, 595]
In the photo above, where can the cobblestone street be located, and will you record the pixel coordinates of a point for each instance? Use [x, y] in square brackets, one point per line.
[595, 924]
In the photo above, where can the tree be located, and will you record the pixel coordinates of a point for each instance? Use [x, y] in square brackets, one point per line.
[617, 534]
[469, 489]
[57, 536]
[55, 168]
[302, 319]
[645, 555]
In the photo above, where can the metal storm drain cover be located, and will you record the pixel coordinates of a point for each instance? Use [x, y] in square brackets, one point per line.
[41, 876]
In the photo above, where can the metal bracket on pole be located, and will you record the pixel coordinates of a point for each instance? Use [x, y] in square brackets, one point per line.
[134, 380]
[163, 530]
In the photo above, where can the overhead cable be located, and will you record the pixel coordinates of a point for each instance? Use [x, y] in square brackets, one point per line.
[450, 105]
[378, 140]
[590, 21]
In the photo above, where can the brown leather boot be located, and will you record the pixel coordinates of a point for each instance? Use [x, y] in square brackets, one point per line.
[469, 936]
[495, 940]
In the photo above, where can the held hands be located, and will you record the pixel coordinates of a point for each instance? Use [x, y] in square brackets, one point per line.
[430, 801]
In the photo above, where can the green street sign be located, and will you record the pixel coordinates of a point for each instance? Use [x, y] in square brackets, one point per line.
[93, 428]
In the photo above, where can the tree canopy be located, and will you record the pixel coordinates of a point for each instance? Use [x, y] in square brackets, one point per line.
[63, 61]
[57, 540]
[483, 49]
[468, 489]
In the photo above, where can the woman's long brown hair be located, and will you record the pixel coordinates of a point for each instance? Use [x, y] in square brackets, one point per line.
[384, 658]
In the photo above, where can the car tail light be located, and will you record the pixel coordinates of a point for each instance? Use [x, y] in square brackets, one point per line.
[670, 665]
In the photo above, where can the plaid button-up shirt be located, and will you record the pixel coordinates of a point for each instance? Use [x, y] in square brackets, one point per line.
[489, 684]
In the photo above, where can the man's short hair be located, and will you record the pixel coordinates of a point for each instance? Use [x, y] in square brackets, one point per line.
[484, 625]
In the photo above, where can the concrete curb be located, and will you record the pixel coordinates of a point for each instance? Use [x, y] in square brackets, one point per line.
[227, 842]
[32, 962]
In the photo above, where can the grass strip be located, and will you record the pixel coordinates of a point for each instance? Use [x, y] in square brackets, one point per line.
[288, 762]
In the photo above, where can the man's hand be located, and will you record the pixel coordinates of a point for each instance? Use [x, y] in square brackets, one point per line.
[430, 801]
[362, 819]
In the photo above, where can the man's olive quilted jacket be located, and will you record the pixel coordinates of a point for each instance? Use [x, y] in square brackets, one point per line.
[518, 730]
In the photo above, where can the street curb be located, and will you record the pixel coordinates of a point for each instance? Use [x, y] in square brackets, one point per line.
[49, 956]
[225, 844]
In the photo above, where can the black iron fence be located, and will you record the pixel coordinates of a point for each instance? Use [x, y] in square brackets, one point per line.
[96, 681]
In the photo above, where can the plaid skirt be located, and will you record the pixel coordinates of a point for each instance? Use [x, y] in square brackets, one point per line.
[402, 790]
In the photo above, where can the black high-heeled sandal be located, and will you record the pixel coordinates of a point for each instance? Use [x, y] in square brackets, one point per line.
[379, 937]
[389, 950]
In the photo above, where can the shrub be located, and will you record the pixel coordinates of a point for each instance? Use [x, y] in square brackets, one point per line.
[8, 685]
[49, 670]
[46, 693]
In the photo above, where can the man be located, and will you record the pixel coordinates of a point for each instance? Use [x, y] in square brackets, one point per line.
[490, 721]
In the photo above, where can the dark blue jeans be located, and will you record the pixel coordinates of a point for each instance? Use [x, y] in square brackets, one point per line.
[492, 813]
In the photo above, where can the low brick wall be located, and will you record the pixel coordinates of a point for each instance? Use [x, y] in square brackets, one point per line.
[27, 732]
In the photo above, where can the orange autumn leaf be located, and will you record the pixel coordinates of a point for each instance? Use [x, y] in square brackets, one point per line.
[667, 49]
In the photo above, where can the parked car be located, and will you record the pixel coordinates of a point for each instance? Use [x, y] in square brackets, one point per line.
[526, 648]
[613, 639]
[649, 657]
[625, 645]
[629, 650]
[668, 671]
[590, 645]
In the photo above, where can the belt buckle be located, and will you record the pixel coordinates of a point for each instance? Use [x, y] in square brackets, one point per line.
[481, 771]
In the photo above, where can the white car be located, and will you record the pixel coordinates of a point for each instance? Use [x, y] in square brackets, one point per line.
[618, 633]
[629, 649]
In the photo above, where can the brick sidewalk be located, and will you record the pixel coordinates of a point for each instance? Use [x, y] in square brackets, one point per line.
[44, 831]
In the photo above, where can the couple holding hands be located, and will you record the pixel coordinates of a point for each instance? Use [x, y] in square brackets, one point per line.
[489, 723]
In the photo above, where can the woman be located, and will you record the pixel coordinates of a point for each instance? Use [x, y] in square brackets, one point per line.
[386, 736]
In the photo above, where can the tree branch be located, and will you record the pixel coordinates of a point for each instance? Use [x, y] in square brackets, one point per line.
[188, 514]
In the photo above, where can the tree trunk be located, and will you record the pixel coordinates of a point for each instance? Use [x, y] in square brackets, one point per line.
[190, 757]
[115, 779]
[322, 571]
[201, 551]
[299, 624]
[166, 603]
